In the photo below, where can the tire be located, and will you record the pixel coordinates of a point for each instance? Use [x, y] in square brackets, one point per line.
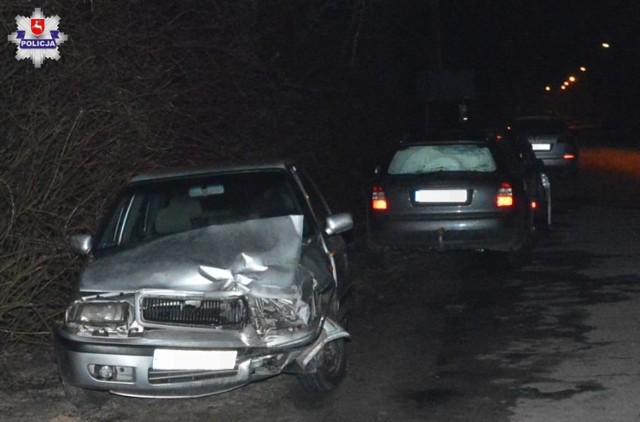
[332, 368]
[513, 259]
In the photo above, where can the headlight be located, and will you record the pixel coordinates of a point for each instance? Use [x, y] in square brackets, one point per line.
[98, 313]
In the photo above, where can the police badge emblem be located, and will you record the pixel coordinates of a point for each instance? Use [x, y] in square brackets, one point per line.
[37, 38]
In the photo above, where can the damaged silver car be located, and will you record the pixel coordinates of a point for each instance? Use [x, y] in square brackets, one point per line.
[199, 282]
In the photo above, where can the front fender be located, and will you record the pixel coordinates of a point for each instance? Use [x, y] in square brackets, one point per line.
[331, 331]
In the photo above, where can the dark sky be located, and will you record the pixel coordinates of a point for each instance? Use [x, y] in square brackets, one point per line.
[542, 40]
[517, 47]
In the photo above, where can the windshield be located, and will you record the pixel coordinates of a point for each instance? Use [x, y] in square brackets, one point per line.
[157, 209]
[436, 158]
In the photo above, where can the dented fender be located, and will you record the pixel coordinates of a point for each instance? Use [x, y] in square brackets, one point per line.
[331, 331]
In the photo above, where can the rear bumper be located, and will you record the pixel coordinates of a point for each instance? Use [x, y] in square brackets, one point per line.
[559, 162]
[498, 234]
[556, 158]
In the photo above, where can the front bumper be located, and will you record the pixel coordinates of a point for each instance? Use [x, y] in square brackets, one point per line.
[136, 377]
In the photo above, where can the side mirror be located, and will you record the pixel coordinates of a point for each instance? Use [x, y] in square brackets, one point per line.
[81, 243]
[338, 223]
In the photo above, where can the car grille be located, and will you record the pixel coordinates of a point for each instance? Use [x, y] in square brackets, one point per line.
[174, 377]
[219, 313]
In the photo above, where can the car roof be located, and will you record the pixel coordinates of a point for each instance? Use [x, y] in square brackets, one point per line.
[180, 173]
[453, 137]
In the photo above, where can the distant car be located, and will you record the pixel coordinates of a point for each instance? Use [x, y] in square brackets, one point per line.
[457, 191]
[202, 281]
[550, 139]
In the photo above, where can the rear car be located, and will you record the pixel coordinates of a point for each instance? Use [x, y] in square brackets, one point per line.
[550, 139]
[201, 281]
[460, 192]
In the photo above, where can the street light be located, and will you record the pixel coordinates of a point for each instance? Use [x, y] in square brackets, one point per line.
[605, 45]
[583, 69]
[572, 78]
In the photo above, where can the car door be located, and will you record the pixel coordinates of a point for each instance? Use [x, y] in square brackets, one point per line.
[334, 245]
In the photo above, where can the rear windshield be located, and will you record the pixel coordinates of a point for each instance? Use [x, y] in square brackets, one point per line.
[435, 158]
[540, 127]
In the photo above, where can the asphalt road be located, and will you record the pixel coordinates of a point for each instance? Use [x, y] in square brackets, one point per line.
[447, 337]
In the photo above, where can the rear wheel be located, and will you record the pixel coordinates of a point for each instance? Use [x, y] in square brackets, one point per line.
[514, 258]
[331, 364]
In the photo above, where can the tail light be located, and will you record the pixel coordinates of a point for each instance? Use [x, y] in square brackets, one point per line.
[569, 156]
[534, 205]
[378, 199]
[505, 196]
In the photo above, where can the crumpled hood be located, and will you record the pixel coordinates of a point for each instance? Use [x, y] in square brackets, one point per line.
[254, 255]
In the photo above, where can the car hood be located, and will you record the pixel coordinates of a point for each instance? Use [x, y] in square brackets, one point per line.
[254, 255]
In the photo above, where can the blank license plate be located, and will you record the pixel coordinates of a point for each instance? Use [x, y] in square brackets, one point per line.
[441, 196]
[541, 147]
[214, 360]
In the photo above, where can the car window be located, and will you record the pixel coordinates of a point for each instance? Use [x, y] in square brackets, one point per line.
[436, 158]
[157, 209]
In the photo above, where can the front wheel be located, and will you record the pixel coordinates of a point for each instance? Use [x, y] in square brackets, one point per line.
[331, 364]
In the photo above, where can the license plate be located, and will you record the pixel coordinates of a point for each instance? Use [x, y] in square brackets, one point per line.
[213, 360]
[441, 196]
[541, 147]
